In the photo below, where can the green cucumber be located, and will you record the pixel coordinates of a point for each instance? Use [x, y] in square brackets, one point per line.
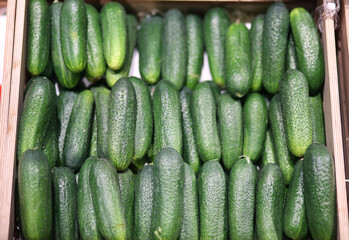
[291, 58]
[93, 144]
[215, 90]
[238, 74]
[102, 112]
[317, 119]
[216, 23]
[268, 154]
[48, 72]
[50, 146]
[74, 34]
[295, 105]
[256, 41]
[38, 41]
[203, 110]
[149, 47]
[195, 49]
[35, 202]
[275, 33]
[174, 49]
[255, 125]
[230, 118]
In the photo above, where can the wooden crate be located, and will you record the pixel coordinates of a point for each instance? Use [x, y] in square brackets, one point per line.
[15, 77]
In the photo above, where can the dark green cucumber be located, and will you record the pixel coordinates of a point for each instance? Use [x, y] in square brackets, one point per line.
[65, 77]
[268, 154]
[308, 48]
[143, 203]
[102, 110]
[144, 121]
[113, 76]
[294, 219]
[35, 202]
[93, 144]
[216, 23]
[77, 141]
[168, 194]
[122, 123]
[320, 191]
[195, 49]
[113, 20]
[213, 201]
[50, 146]
[270, 203]
[190, 222]
[190, 152]
[230, 118]
[275, 33]
[87, 219]
[74, 34]
[295, 105]
[255, 126]
[317, 119]
[203, 110]
[95, 66]
[38, 107]
[283, 156]
[215, 90]
[291, 58]
[174, 49]
[104, 185]
[65, 199]
[167, 116]
[149, 47]
[48, 72]
[238, 75]
[241, 198]
[38, 41]
[256, 41]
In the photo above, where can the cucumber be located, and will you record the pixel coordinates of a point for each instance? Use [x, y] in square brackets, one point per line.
[50, 146]
[268, 154]
[215, 90]
[238, 75]
[190, 222]
[190, 152]
[308, 48]
[38, 42]
[256, 41]
[168, 194]
[95, 66]
[102, 112]
[317, 119]
[213, 201]
[270, 202]
[284, 157]
[77, 140]
[113, 76]
[295, 105]
[294, 220]
[149, 47]
[320, 191]
[203, 110]
[38, 107]
[48, 72]
[65, 199]
[275, 33]
[195, 49]
[167, 116]
[216, 23]
[291, 58]
[122, 123]
[74, 34]
[230, 118]
[241, 198]
[65, 77]
[113, 21]
[34, 187]
[255, 125]
[143, 206]
[93, 144]
[87, 219]
[104, 185]
[174, 49]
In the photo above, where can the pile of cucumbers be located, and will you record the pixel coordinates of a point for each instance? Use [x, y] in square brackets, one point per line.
[167, 156]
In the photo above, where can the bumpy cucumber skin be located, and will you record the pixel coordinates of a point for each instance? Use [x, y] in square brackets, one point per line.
[256, 41]
[320, 191]
[50, 146]
[35, 196]
[215, 90]
[238, 75]
[102, 110]
[268, 155]
[230, 116]
[317, 118]
[93, 143]
[216, 23]
[38, 42]
[275, 33]
[174, 49]
[291, 58]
